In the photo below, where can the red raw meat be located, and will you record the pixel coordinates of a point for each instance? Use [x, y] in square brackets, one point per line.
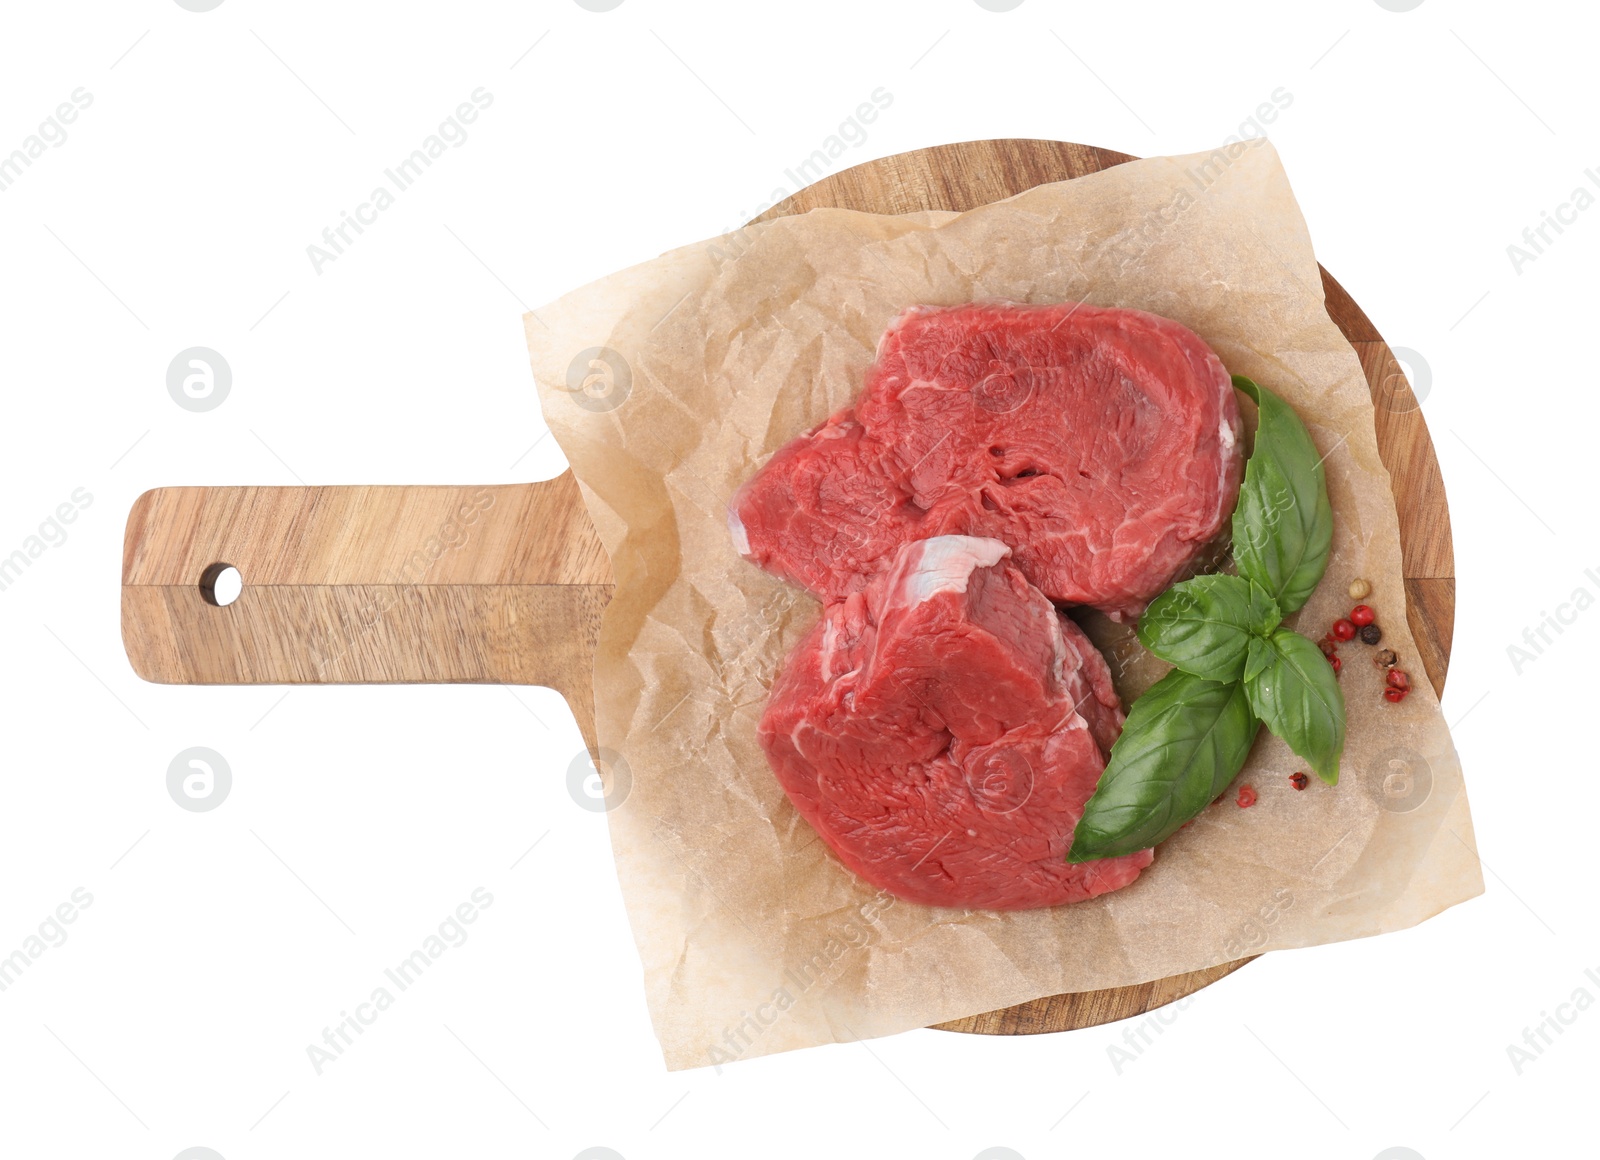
[942, 730]
[1103, 445]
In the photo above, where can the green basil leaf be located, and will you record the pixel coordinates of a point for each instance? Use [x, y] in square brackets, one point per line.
[1297, 695]
[1184, 741]
[1259, 655]
[1205, 625]
[1283, 525]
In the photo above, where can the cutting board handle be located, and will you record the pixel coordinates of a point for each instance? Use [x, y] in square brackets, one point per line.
[498, 584]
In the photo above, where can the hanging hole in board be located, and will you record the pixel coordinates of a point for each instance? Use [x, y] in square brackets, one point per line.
[220, 585]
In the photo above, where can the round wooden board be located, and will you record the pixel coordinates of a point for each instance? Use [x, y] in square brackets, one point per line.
[973, 173]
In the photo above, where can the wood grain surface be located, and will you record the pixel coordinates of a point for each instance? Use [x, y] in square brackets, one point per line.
[501, 585]
[506, 584]
[974, 173]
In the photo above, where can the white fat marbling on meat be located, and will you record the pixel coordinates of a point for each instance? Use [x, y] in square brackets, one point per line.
[830, 640]
[1229, 435]
[946, 563]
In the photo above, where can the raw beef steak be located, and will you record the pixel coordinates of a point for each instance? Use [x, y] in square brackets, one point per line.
[1102, 445]
[942, 730]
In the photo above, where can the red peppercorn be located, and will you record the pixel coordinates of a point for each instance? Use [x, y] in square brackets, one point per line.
[1247, 797]
[1398, 679]
[1343, 629]
[1327, 647]
[1299, 780]
[1361, 615]
[1394, 696]
[1336, 663]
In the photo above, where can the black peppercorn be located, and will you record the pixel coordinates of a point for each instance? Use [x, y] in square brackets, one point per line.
[1370, 634]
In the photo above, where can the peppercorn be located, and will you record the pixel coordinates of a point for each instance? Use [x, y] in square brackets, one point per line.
[1359, 589]
[1370, 634]
[1385, 658]
[1399, 679]
[1327, 647]
[1343, 629]
[1247, 797]
[1336, 663]
[1361, 615]
[1299, 780]
[1394, 696]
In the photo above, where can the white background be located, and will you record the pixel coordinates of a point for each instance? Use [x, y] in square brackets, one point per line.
[219, 945]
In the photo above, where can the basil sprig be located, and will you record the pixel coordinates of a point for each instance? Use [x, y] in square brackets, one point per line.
[1235, 668]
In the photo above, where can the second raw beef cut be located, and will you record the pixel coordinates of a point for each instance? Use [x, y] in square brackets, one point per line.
[942, 730]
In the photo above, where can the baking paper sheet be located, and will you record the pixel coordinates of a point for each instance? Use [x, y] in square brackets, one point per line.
[668, 384]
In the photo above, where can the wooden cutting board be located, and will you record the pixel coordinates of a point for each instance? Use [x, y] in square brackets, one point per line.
[506, 584]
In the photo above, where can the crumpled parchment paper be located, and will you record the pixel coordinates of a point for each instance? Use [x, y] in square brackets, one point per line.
[668, 384]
